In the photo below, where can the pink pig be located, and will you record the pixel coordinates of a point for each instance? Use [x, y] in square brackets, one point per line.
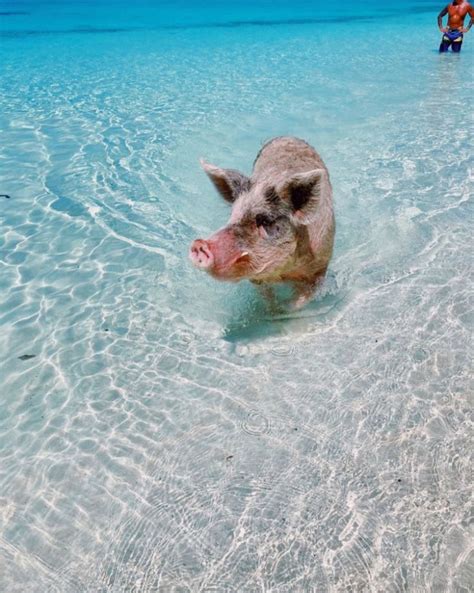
[281, 228]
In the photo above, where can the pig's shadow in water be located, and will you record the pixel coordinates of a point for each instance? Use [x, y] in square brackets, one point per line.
[257, 320]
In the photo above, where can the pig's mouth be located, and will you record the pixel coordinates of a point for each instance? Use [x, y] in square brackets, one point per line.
[220, 264]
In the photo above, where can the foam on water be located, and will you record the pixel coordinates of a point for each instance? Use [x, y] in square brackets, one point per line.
[163, 432]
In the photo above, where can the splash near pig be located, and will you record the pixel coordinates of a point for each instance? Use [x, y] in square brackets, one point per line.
[281, 228]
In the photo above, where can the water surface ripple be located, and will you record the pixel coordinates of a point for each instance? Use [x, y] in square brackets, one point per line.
[162, 432]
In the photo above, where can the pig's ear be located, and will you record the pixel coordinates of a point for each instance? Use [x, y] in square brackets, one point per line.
[228, 182]
[303, 192]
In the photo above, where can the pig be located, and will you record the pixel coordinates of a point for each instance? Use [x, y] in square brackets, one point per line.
[281, 228]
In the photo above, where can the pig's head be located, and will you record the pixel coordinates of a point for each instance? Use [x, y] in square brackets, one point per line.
[267, 222]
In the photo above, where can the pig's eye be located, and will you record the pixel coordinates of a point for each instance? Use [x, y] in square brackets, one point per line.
[263, 220]
[268, 227]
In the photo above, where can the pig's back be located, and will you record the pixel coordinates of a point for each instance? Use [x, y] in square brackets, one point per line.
[284, 156]
[281, 158]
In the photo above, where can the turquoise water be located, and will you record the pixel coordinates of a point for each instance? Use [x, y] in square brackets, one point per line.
[163, 432]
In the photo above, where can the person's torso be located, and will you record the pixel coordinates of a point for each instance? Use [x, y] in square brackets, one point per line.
[457, 12]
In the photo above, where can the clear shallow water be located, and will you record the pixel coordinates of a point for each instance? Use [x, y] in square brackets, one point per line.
[169, 434]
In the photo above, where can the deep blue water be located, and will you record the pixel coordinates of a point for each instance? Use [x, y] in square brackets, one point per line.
[163, 432]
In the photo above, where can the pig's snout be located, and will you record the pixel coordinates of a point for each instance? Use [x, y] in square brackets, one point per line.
[201, 255]
[220, 256]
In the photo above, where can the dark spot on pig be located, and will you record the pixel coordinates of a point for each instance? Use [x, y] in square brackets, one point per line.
[26, 356]
[6, 196]
[295, 429]
[399, 480]
[229, 457]
[304, 244]
[106, 329]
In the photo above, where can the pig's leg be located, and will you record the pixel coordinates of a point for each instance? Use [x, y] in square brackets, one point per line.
[304, 291]
[267, 292]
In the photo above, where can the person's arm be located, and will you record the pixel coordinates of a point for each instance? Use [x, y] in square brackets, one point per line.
[443, 13]
[470, 12]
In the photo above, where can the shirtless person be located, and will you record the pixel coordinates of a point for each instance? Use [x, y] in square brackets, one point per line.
[453, 34]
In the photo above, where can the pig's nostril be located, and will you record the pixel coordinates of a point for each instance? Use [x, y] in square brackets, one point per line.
[201, 254]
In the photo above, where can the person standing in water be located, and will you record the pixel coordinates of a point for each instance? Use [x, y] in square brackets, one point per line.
[453, 34]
